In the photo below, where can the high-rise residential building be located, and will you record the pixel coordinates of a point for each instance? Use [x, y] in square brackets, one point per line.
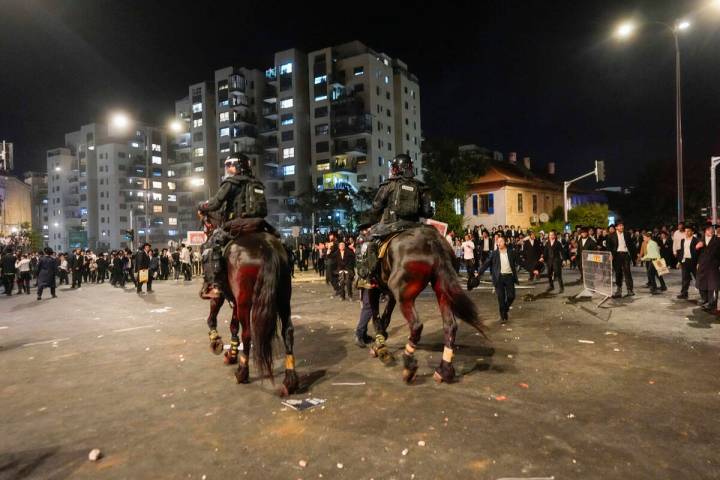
[358, 117]
[193, 161]
[6, 156]
[15, 205]
[331, 119]
[39, 194]
[103, 183]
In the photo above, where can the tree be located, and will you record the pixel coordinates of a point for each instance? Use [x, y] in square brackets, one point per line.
[447, 173]
[590, 214]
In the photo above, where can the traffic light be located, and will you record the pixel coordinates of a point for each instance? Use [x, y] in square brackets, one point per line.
[129, 234]
[600, 170]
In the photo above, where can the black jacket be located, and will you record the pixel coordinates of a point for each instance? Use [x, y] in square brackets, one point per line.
[142, 261]
[231, 188]
[693, 252]
[532, 253]
[493, 262]
[385, 194]
[590, 244]
[347, 262]
[8, 264]
[47, 267]
[612, 243]
[554, 254]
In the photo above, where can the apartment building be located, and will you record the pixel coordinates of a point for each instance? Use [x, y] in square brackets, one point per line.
[39, 201]
[330, 119]
[103, 183]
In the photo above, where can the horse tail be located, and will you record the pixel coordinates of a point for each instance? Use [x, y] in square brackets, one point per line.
[264, 317]
[449, 285]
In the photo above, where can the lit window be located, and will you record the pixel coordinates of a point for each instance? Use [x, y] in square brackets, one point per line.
[320, 79]
[171, 185]
[225, 150]
[157, 160]
[323, 166]
[286, 69]
[225, 132]
[289, 152]
[157, 208]
[197, 123]
[321, 98]
[156, 147]
[287, 119]
[289, 170]
[225, 103]
[197, 107]
[287, 103]
[357, 71]
[225, 116]
[387, 80]
[199, 169]
[135, 144]
[172, 221]
[198, 152]
[172, 198]
[171, 173]
[157, 184]
[157, 196]
[139, 194]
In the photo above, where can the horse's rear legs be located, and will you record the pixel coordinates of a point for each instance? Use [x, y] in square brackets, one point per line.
[291, 381]
[410, 365]
[216, 342]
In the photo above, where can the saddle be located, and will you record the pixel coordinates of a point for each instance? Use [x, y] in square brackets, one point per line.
[242, 226]
[385, 243]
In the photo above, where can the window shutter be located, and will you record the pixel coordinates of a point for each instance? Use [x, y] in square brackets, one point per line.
[474, 204]
[491, 204]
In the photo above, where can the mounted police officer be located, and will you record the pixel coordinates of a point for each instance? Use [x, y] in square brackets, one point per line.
[243, 199]
[399, 203]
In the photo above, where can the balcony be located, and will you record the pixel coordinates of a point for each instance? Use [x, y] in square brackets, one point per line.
[270, 111]
[244, 132]
[271, 75]
[243, 117]
[337, 79]
[352, 125]
[343, 164]
[248, 149]
[272, 174]
[268, 128]
[357, 148]
[270, 94]
[270, 143]
[270, 160]
[348, 105]
[236, 84]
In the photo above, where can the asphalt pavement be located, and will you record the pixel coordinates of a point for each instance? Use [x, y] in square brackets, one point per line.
[565, 390]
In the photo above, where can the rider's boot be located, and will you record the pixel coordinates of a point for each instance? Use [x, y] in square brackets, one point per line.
[214, 272]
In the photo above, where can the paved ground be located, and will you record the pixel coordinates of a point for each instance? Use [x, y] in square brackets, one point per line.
[133, 376]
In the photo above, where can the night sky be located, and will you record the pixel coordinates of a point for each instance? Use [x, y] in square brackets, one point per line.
[543, 78]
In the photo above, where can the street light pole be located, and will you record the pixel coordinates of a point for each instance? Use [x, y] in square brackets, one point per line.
[714, 162]
[678, 132]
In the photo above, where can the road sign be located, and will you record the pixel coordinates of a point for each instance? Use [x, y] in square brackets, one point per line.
[440, 226]
[197, 237]
[295, 232]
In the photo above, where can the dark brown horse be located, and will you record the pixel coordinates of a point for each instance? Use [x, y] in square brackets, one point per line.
[414, 259]
[259, 281]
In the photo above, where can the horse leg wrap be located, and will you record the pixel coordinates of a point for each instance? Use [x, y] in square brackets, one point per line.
[445, 372]
[289, 362]
[213, 334]
[447, 354]
[290, 382]
[231, 357]
[410, 366]
[216, 343]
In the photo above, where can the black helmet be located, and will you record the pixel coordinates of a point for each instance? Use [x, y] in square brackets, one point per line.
[402, 165]
[241, 162]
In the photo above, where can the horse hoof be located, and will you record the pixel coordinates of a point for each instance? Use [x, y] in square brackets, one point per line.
[385, 356]
[242, 374]
[230, 359]
[290, 383]
[444, 373]
[216, 346]
[409, 375]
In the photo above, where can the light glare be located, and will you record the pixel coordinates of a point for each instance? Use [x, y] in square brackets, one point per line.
[625, 29]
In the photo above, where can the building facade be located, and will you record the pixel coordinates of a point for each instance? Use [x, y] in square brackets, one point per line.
[15, 205]
[103, 183]
[39, 200]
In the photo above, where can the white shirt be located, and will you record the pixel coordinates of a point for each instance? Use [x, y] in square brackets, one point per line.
[23, 265]
[621, 242]
[676, 239]
[468, 250]
[504, 262]
[185, 255]
[686, 251]
[486, 244]
[583, 240]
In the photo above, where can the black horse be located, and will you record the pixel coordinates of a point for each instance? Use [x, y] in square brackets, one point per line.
[413, 259]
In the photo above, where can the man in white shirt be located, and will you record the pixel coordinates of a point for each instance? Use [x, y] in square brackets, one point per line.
[503, 269]
[468, 248]
[677, 237]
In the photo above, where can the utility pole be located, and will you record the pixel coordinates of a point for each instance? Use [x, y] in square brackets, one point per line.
[599, 173]
[714, 162]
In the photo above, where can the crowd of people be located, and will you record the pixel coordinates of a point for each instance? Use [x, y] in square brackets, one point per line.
[48, 269]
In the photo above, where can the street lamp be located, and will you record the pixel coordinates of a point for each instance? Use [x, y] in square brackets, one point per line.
[625, 30]
[176, 126]
[120, 120]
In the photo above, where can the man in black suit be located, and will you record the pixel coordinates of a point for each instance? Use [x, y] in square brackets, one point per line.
[553, 257]
[76, 264]
[142, 262]
[503, 269]
[622, 248]
[585, 242]
[532, 251]
[687, 258]
[708, 263]
[343, 260]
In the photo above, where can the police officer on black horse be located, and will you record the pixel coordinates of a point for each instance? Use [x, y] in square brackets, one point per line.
[243, 198]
